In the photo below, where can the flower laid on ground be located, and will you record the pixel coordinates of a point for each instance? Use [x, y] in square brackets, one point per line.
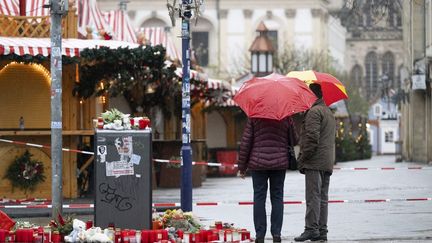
[177, 219]
[64, 225]
[23, 225]
[25, 173]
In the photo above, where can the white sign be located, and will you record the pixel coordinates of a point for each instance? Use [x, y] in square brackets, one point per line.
[135, 159]
[418, 82]
[119, 168]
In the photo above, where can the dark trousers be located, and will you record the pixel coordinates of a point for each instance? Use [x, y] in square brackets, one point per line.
[317, 186]
[260, 179]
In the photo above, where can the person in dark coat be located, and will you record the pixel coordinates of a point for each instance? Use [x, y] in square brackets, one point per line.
[316, 159]
[264, 152]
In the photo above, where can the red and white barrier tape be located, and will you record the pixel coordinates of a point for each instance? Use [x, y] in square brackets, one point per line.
[196, 163]
[222, 164]
[385, 168]
[202, 204]
[45, 146]
[24, 201]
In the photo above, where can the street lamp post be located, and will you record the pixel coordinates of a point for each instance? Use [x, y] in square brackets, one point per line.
[186, 150]
[185, 9]
[262, 51]
[58, 9]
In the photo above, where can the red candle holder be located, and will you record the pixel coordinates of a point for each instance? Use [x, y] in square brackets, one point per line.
[117, 236]
[203, 235]
[218, 225]
[164, 234]
[89, 224]
[100, 123]
[11, 237]
[145, 236]
[180, 234]
[125, 235]
[3, 235]
[55, 237]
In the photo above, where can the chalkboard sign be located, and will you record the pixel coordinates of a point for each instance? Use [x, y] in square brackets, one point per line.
[123, 179]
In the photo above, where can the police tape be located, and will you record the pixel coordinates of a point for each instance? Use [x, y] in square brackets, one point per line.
[223, 164]
[25, 201]
[44, 146]
[227, 203]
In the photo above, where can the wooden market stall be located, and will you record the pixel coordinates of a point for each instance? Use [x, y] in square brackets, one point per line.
[25, 103]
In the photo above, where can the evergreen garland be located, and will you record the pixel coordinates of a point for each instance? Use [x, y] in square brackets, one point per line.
[25, 173]
[139, 74]
[36, 59]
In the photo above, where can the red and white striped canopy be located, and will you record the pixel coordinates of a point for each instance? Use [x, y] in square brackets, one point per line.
[33, 7]
[158, 36]
[116, 23]
[42, 46]
[121, 26]
[89, 15]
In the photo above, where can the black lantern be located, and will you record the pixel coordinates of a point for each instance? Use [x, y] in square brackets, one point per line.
[262, 53]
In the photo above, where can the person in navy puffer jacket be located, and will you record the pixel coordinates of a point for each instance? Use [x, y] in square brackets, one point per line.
[264, 152]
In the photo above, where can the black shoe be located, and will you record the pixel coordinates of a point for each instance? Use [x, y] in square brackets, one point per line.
[322, 237]
[259, 240]
[277, 239]
[308, 235]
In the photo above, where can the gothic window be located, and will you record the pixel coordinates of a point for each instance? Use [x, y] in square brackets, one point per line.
[388, 67]
[356, 75]
[371, 66]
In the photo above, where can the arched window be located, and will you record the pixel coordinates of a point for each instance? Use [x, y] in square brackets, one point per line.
[201, 41]
[356, 75]
[388, 67]
[371, 67]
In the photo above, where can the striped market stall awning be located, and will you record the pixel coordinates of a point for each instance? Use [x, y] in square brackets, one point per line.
[42, 46]
[158, 36]
[90, 16]
[32, 7]
[121, 26]
[116, 23]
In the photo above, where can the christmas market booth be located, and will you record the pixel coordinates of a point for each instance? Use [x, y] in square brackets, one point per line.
[98, 74]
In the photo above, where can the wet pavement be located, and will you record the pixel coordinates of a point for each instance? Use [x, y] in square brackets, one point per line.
[355, 220]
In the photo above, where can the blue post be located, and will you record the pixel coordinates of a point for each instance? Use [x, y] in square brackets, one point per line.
[186, 150]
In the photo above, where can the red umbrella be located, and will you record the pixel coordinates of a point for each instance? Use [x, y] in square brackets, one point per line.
[332, 89]
[274, 97]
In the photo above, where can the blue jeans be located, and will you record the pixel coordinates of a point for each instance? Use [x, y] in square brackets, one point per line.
[260, 180]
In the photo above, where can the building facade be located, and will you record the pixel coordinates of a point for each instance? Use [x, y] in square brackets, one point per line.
[416, 121]
[374, 62]
[223, 34]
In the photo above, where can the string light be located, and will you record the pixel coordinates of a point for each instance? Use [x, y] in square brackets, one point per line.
[36, 66]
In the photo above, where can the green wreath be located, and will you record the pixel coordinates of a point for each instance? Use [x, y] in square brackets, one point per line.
[25, 173]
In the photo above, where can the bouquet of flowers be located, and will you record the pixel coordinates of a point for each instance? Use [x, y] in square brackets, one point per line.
[115, 120]
[64, 225]
[180, 220]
